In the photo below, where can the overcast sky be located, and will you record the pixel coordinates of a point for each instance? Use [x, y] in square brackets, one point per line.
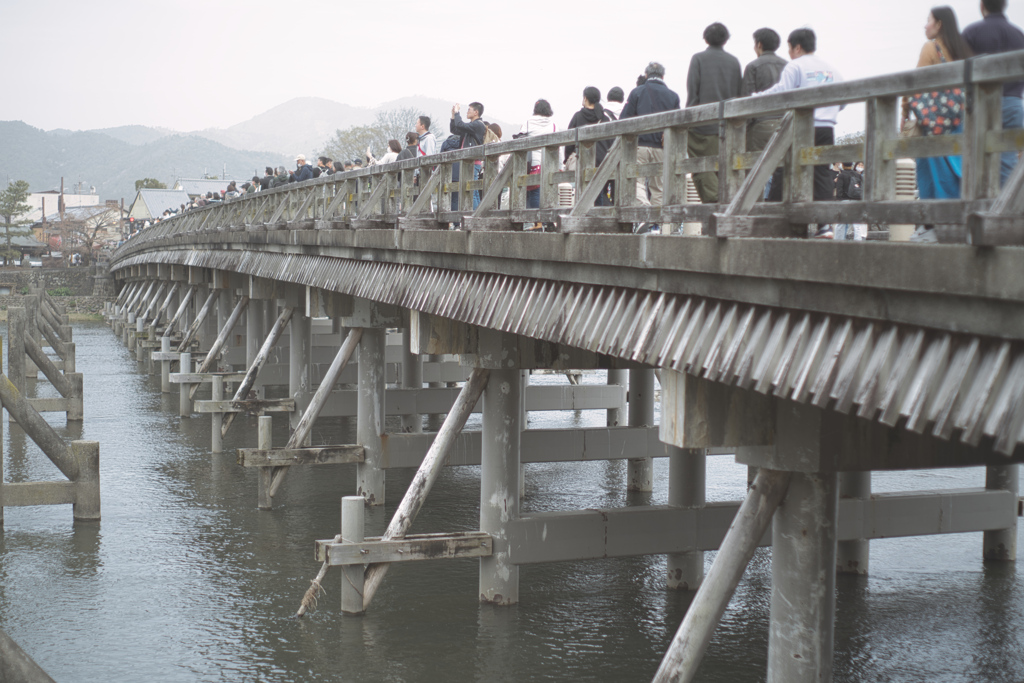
[195, 64]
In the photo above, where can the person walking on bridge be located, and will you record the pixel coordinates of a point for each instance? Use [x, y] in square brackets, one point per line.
[714, 76]
[993, 35]
[759, 75]
[807, 70]
[650, 97]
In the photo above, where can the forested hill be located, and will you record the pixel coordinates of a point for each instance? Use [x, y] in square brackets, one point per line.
[112, 165]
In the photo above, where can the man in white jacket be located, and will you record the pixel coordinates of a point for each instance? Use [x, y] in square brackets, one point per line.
[808, 71]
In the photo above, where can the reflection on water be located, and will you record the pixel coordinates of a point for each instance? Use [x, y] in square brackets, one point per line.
[185, 580]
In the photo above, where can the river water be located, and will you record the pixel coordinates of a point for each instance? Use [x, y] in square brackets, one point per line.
[185, 580]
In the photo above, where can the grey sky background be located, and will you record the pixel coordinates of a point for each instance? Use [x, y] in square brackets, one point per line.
[197, 64]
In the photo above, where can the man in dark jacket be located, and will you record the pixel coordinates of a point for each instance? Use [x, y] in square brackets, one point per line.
[302, 169]
[267, 178]
[714, 76]
[761, 74]
[591, 113]
[471, 134]
[650, 98]
[992, 35]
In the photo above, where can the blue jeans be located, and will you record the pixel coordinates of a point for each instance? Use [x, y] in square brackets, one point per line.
[533, 199]
[1013, 117]
[477, 168]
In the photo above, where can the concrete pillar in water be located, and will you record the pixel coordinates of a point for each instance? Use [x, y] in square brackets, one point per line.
[165, 366]
[1001, 544]
[87, 487]
[370, 415]
[687, 474]
[217, 419]
[641, 414]
[434, 419]
[254, 332]
[617, 416]
[353, 514]
[853, 557]
[299, 356]
[184, 402]
[412, 378]
[499, 483]
[800, 637]
[264, 442]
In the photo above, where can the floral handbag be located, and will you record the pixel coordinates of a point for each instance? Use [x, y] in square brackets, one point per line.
[938, 112]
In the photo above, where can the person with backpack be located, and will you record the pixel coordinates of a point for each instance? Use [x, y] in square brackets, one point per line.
[589, 114]
[849, 187]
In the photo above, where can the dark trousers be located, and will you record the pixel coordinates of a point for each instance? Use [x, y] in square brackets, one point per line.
[824, 188]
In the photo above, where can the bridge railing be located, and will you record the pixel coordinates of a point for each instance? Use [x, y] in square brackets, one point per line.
[419, 193]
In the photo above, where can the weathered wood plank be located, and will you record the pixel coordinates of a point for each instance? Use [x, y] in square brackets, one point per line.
[414, 547]
[285, 457]
[267, 405]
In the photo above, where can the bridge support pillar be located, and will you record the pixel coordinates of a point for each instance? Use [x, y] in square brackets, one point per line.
[412, 378]
[800, 637]
[686, 488]
[370, 415]
[299, 356]
[853, 557]
[499, 483]
[184, 402]
[617, 416]
[254, 332]
[217, 419]
[1001, 544]
[641, 414]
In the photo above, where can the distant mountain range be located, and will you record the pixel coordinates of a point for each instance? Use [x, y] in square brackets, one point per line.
[112, 159]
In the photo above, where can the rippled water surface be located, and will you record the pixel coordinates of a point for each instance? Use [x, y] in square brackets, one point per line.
[185, 580]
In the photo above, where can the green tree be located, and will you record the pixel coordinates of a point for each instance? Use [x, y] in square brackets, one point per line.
[393, 124]
[12, 207]
[149, 184]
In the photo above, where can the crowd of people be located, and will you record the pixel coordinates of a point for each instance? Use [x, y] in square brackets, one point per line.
[714, 76]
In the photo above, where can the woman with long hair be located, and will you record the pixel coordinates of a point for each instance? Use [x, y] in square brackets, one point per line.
[939, 177]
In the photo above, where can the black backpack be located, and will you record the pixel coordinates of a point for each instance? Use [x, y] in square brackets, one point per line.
[854, 187]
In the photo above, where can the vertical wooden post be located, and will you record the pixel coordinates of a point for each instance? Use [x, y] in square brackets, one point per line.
[87, 486]
[734, 142]
[882, 123]
[69, 360]
[16, 347]
[800, 636]
[140, 327]
[499, 484]
[799, 185]
[299, 356]
[673, 184]
[641, 414]
[984, 114]
[217, 419]
[264, 442]
[412, 378]
[184, 400]
[686, 488]
[370, 415]
[353, 512]
[32, 328]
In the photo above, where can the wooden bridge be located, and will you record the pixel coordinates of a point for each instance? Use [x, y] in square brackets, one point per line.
[814, 362]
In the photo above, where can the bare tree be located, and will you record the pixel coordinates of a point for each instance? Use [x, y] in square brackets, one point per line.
[392, 124]
[89, 229]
